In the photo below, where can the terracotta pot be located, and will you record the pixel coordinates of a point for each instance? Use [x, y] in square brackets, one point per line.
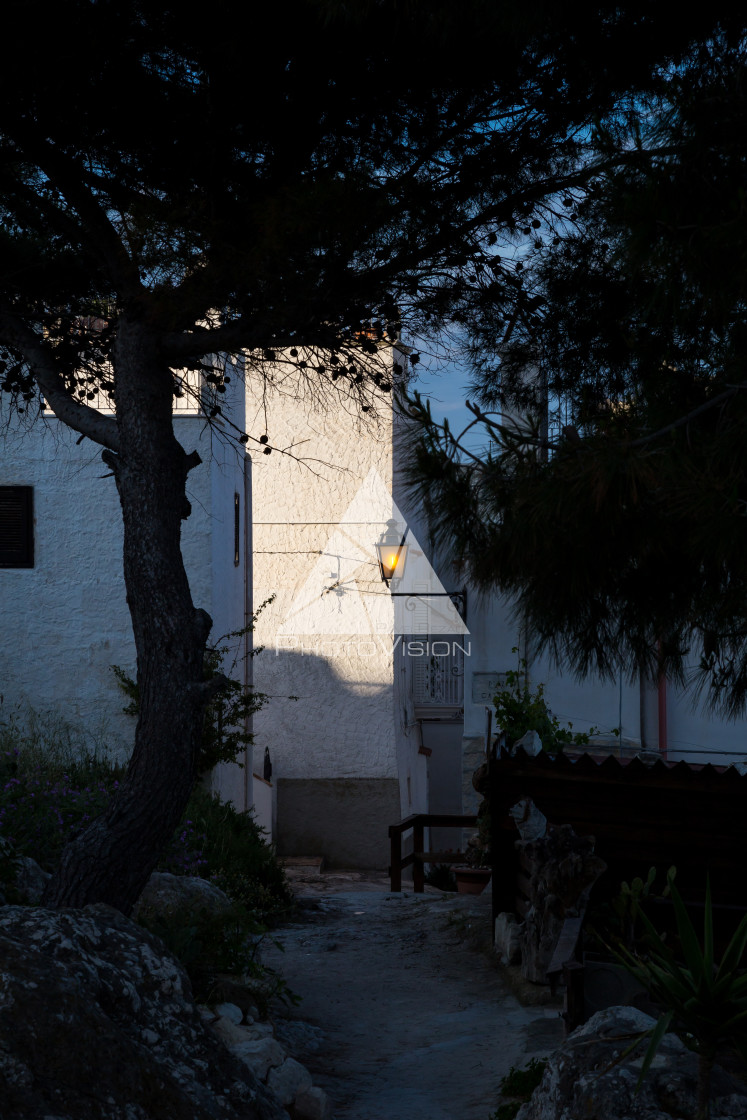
[472, 880]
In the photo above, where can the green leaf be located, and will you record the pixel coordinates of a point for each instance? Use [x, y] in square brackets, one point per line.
[687, 935]
[708, 934]
[657, 1034]
[735, 949]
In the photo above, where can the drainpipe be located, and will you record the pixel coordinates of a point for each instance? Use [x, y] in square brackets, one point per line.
[248, 636]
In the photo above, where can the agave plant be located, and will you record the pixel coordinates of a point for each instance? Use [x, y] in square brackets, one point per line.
[705, 1002]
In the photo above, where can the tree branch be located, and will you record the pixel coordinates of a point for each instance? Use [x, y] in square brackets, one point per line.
[682, 420]
[80, 417]
[95, 229]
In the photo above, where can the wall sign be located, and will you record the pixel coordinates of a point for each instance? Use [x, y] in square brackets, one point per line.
[485, 686]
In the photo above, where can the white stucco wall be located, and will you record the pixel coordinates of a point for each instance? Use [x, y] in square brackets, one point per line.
[65, 621]
[692, 733]
[349, 721]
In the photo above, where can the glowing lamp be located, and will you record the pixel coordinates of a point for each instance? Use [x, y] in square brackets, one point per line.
[392, 552]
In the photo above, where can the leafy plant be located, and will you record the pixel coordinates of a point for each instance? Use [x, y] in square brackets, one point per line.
[705, 1002]
[441, 876]
[518, 1085]
[214, 944]
[224, 734]
[45, 801]
[8, 871]
[518, 709]
[619, 919]
[232, 853]
[42, 808]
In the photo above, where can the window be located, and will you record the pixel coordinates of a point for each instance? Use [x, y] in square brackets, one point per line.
[236, 530]
[16, 527]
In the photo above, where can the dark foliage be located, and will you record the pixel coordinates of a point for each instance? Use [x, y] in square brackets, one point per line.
[171, 188]
[613, 506]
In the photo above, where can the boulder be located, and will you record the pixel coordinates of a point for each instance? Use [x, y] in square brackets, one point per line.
[30, 880]
[230, 1011]
[97, 1023]
[312, 1104]
[588, 1077]
[166, 894]
[507, 940]
[260, 1055]
[288, 1080]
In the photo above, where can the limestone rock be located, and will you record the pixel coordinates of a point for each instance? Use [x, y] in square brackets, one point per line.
[312, 1104]
[586, 1078]
[166, 894]
[229, 1032]
[563, 871]
[531, 823]
[97, 1023]
[286, 1081]
[30, 880]
[507, 941]
[299, 1037]
[530, 743]
[259, 1055]
[230, 1011]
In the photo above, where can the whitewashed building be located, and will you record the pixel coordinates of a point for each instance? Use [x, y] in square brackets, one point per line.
[63, 613]
[389, 710]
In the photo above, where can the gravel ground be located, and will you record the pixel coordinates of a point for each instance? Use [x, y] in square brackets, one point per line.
[406, 1015]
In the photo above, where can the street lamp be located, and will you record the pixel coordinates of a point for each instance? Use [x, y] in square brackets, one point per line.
[392, 552]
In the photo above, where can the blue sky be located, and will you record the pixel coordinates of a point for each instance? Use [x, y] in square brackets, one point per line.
[444, 382]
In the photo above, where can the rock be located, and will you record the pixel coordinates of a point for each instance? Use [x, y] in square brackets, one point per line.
[30, 879]
[228, 989]
[530, 743]
[299, 1037]
[260, 1055]
[531, 823]
[166, 894]
[312, 1104]
[507, 942]
[230, 1011]
[259, 1030]
[229, 1032]
[288, 1080]
[587, 1078]
[97, 1023]
[563, 871]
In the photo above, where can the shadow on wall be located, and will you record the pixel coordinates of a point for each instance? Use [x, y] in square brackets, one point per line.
[334, 749]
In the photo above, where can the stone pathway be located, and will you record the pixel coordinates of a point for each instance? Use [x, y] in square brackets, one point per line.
[405, 1016]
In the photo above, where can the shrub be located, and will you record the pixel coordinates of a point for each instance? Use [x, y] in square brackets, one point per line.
[212, 946]
[517, 1086]
[45, 800]
[518, 710]
[236, 856]
[43, 806]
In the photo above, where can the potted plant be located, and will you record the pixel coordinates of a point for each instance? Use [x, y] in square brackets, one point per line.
[474, 875]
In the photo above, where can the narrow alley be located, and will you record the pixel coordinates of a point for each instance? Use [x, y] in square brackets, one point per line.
[404, 1014]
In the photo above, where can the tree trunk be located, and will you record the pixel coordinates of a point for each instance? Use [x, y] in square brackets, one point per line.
[110, 861]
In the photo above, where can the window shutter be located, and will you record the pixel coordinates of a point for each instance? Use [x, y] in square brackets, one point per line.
[16, 527]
